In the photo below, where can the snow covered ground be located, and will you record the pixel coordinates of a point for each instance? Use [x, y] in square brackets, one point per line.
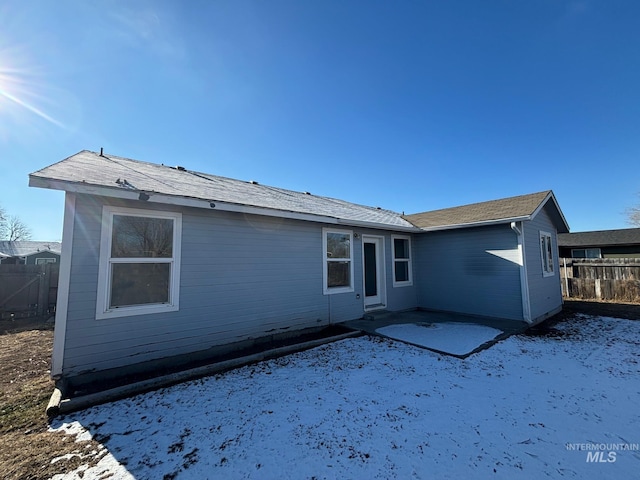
[528, 407]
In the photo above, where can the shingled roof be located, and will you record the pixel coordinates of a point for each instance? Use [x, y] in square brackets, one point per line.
[513, 209]
[23, 248]
[109, 175]
[600, 238]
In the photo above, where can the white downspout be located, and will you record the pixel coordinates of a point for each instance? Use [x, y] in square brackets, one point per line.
[524, 282]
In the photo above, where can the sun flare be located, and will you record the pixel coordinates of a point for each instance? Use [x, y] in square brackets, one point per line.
[22, 98]
[29, 107]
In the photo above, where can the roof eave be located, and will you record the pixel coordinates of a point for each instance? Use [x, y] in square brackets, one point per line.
[551, 196]
[475, 224]
[598, 245]
[378, 226]
[128, 194]
[44, 250]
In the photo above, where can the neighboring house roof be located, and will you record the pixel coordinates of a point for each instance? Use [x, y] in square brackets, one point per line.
[23, 248]
[625, 236]
[513, 209]
[108, 175]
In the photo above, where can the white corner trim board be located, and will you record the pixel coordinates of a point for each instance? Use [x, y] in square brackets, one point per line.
[524, 282]
[59, 332]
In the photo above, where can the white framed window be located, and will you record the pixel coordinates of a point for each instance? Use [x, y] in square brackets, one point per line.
[42, 261]
[546, 250]
[337, 269]
[401, 254]
[586, 253]
[139, 271]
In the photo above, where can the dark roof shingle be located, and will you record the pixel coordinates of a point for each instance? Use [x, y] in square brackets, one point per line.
[624, 236]
[506, 209]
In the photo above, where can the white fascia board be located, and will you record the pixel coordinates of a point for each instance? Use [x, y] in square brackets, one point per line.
[542, 204]
[128, 194]
[377, 226]
[551, 196]
[86, 188]
[476, 224]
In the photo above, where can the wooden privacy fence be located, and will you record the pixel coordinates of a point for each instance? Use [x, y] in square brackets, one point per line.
[28, 290]
[612, 279]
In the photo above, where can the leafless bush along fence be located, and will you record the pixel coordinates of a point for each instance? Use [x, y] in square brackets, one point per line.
[610, 279]
[28, 290]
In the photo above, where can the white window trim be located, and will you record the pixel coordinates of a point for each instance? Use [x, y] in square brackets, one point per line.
[585, 250]
[543, 255]
[331, 290]
[381, 273]
[409, 261]
[44, 261]
[104, 272]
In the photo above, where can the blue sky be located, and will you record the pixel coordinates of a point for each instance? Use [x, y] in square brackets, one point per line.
[410, 106]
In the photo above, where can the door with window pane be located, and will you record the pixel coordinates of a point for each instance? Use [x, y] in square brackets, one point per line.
[373, 277]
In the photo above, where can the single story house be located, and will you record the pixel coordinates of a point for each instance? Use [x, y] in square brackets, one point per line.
[622, 243]
[161, 261]
[22, 252]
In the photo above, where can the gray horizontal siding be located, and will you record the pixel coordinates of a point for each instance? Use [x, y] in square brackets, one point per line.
[241, 277]
[545, 293]
[456, 272]
[128, 350]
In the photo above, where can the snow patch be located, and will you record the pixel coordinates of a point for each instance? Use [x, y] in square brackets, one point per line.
[456, 338]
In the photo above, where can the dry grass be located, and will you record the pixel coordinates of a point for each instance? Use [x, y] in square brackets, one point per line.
[630, 311]
[26, 447]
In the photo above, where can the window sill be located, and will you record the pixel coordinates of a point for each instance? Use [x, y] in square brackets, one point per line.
[332, 291]
[137, 310]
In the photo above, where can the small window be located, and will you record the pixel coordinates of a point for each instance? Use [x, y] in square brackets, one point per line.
[402, 271]
[139, 262]
[586, 253]
[546, 249]
[42, 261]
[338, 261]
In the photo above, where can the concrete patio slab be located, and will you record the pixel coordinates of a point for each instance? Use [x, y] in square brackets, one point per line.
[372, 322]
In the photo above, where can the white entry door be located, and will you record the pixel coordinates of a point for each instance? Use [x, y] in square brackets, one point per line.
[373, 275]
